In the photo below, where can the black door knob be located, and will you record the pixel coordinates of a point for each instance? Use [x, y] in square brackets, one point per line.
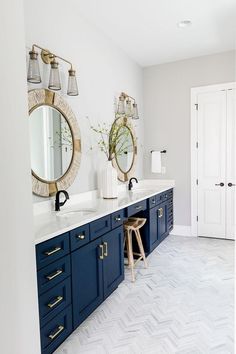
[221, 184]
[231, 184]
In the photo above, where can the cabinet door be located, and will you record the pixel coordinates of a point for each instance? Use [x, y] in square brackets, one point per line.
[87, 280]
[113, 263]
[153, 227]
[162, 221]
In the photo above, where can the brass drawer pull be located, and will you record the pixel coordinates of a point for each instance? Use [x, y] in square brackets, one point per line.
[117, 218]
[54, 275]
[106, 249]
[101, 256]
[54, 303]
[160, 213]
[81, 237]
[58, 331]
[49, 253]
[138, 207]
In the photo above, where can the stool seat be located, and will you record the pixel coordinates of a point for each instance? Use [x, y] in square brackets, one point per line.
[133, 225]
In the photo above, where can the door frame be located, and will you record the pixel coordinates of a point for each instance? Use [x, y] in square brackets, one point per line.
[194, 151]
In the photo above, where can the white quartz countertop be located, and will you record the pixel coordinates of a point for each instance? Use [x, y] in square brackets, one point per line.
[48, 223]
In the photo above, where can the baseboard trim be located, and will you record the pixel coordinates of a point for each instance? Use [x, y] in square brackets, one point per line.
[182, 230]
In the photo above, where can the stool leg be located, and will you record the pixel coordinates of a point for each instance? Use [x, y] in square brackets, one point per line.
[140, 245]
[130, 254]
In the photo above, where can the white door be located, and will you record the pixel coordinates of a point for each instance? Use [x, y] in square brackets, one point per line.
[212, 164]
[230, 165]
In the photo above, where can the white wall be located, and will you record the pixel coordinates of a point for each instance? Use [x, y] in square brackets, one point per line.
[103, 72]
[19, 326]
[167, 116]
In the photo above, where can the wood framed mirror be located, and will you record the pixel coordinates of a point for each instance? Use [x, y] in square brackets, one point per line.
[125, 150]
[55, 142]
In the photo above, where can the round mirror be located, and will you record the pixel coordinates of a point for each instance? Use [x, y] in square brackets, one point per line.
[51, 143]
[55, 142]
[125, 151]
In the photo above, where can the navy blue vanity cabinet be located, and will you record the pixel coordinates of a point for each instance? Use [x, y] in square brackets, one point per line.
[113, 263]
[159, 222]
[170, 211]
[54, 289]
[97, 270]
[162, 225]
[87, 288]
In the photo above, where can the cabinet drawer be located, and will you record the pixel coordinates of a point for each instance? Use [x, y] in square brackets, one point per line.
[158, 198]
[54, 301]
[137, 207]
[164, 196]
[152, 202]
[117, 218]
[56, 331]
[51, 250]
[79, 237]
[53, 274]
[100, 227]
[170, 193]
[170, 225]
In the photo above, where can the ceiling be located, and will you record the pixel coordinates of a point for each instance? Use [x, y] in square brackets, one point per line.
[147, 29]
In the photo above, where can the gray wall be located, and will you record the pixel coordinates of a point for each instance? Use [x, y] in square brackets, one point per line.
[167, 117]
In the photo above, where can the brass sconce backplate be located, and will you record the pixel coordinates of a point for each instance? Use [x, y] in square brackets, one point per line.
[46, 56]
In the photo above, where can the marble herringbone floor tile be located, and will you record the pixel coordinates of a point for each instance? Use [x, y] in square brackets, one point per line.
[181, 304]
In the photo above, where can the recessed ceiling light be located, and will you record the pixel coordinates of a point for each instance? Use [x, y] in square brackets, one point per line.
[184, 23]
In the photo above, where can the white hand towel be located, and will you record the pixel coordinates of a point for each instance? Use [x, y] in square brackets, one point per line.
[156, 162]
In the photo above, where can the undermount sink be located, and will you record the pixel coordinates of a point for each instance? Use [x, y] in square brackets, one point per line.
[73, 212]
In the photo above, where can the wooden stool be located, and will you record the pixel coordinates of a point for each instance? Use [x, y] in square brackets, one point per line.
[133, 225]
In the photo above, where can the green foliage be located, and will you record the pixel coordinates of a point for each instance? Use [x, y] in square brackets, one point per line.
[113, 141]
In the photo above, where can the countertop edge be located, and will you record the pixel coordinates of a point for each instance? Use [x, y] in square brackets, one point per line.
[90, 218]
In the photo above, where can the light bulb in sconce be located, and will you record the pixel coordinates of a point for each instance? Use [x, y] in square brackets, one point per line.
[135, 111]
[121, 105]
[72, 88]
[33, 74]
[54, 79]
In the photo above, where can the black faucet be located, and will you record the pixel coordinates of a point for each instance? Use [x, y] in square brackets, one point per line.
[58, 204]
[130, 185]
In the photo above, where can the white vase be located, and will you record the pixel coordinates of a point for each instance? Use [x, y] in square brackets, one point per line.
[109, 185]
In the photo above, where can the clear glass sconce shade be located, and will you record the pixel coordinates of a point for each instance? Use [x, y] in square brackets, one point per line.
[72, 88]
[33, 74]
[121, 105]
[135, 111]
[54, 79]
[128, 108]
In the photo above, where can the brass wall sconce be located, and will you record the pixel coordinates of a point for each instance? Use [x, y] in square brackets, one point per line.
[48, 57]
[127, 106]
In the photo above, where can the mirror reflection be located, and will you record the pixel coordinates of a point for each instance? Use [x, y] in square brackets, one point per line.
[51, 143]
[124, 149]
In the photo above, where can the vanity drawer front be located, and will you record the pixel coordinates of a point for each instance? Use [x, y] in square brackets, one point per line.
[135, 208]
[79, 237]
[56, 331]
[53, 274]
[159, 198]
[51, 250]
[54, 301]
[164, 196]
[152, 202]
[170, 193]
[117, 218]
[100, 227]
